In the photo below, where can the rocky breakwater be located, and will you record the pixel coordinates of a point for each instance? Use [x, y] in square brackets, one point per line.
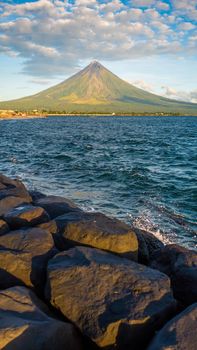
[71, 280]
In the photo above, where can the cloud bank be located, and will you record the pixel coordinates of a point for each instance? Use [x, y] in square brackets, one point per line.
[54, 36]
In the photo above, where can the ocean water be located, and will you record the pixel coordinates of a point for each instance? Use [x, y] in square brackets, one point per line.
[142, 170]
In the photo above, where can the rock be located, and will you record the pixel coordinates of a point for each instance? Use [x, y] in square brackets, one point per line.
[114, 301]
[148, 244]
[26, 324]
[12, 194]
[96, 230]
[56, 206]
[26, 215]
[180, 264]
[35, 195]
[179, 333]
[4, 228]
[50, 227]
[23, 257]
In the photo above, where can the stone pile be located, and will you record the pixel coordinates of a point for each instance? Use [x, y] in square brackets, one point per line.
[71, 280]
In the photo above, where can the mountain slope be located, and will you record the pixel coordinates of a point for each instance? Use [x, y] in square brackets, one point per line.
[96, 89]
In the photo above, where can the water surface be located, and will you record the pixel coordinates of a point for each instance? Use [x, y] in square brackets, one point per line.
[140, 169]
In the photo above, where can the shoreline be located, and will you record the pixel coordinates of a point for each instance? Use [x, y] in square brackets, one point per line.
[158, 115]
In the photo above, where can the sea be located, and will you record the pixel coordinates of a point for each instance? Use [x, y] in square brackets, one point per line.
[142, 170]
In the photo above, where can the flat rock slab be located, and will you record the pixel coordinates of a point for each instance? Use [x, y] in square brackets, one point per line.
[56, 206]
[180, 264]
[26, 324]
[117, 303]
[23, 257]
[96, 230]
[26, 215]
[12, 194]
[4, 228]
[180, 333]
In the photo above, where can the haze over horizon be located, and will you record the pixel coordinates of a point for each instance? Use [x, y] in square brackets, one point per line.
[151, 44]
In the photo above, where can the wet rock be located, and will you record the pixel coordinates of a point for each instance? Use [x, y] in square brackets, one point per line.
[114, 301]
[26, 215]
[12, 194]
[26, 324]
[56, 206]
[148, 244]
[179, 333]
[23, 257]
[96, 230]
[180, 264]
[4, 228]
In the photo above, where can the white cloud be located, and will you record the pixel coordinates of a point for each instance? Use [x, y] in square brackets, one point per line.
[142, 84]
[54, 36]
[181, 95]
[186, 26]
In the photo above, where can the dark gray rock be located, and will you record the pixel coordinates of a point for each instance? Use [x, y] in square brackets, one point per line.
[180, 264]
[4, 228]
[27, 324]
[35, 195]
[114, 301]
[25, 216]
[179, 333]
[56, 206]
[148, 244]
[12, 194]
[23, 258]
[98, 231]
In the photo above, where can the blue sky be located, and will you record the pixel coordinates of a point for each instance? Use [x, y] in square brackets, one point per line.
[150, 43]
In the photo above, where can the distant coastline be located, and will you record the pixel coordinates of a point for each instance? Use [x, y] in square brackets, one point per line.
[9, 114]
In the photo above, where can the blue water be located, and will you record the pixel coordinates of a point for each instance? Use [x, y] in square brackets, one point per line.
[142, 170]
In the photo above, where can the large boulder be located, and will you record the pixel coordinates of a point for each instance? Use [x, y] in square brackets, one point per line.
[114, 301]
[26, 324]
[26, 215]
[56, 206]
[23, 257]
[96, 230]
[12, 194]
[148, 244]
[179, 333]
[180, 264]
[4, 228]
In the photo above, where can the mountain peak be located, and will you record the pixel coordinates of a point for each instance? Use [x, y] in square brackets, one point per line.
[94, 67]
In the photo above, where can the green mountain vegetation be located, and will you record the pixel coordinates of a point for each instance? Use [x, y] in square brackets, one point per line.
[96, 90]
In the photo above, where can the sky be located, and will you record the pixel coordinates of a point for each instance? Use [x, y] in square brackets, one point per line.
[149, 43]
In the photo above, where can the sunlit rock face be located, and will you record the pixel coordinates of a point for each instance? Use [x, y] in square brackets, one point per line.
[111, 300]
[26, 323]
[23, 257]
[98, 231]
[12, 194]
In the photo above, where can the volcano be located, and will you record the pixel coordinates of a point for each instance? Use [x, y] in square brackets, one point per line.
[97, 90]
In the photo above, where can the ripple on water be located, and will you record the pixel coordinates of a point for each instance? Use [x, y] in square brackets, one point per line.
[142, 170]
